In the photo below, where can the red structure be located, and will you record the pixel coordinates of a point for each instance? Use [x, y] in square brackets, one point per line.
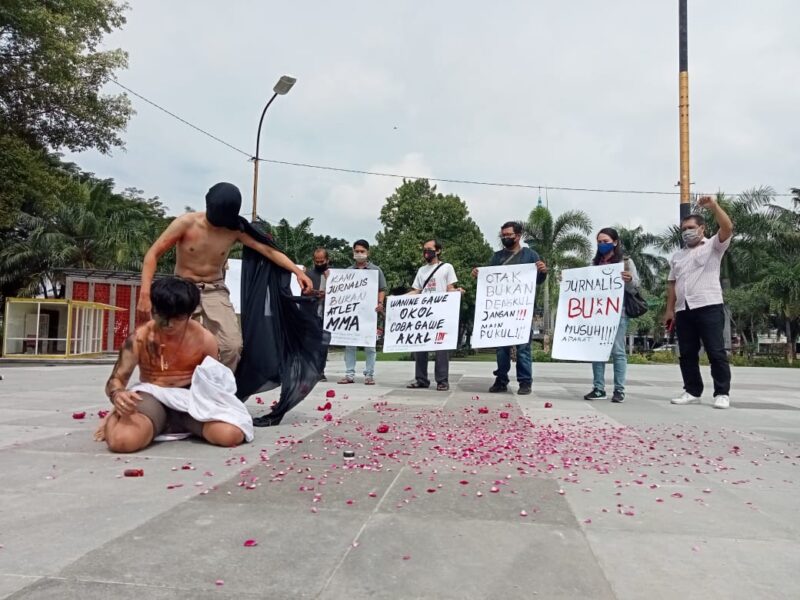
[117, 288]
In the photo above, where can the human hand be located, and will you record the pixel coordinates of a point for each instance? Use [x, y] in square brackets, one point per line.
[143, 308]
[125, 402]
[541, 267]
[304, 281]
[669, 319]
[379, 308]
[706, 202]
[475, 272]
[626, 276]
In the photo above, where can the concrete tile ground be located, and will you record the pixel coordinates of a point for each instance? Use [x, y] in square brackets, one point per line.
[581, 500]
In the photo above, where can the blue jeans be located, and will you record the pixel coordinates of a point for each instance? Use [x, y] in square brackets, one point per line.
[350, 362]
[524, 364]
[618, 357]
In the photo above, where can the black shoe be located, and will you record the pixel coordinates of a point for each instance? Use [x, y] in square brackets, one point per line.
[498, 387]
[524, 389]
[266, 421]
[618, 396]
[595, 394]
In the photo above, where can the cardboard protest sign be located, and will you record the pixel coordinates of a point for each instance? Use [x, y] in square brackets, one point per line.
[422, 322]
[351, 296]
[590, 305]
[504, 306]
[233, 279]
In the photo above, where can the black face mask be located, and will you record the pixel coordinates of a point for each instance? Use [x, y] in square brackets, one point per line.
[223, 202]
[429, 255]
[321, 268]
[508, 242]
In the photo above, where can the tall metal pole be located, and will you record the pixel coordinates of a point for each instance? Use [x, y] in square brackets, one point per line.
[255, 158]
[683, 92]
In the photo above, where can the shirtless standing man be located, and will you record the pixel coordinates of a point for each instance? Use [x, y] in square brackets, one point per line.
[203, 241]
[167, 350]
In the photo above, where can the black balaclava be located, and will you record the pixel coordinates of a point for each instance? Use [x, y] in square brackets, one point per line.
[223, 202]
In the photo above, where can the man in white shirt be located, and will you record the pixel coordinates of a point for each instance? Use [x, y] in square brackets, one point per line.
[695, 306]
[435, 276]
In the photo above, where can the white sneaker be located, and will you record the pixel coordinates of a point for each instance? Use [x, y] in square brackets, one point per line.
[686, 398]
[722, 401]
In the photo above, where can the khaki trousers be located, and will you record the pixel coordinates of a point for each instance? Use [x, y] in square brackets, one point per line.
[216, 313]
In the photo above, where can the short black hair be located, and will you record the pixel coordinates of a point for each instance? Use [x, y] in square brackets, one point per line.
[324, 250]
[698, 219]
[436, 243]
[362, 243]
[515, 224]
[174, 297]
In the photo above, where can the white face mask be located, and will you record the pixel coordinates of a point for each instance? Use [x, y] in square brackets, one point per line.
[691, 236]
[360, 257]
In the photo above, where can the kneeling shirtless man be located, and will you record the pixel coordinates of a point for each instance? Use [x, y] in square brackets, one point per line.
[167, 349]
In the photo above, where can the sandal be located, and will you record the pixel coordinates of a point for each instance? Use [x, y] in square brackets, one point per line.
[443, 387]
[345, 380]
[369, 381]
[416, 385]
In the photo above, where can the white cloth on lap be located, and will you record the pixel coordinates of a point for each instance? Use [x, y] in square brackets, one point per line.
[212, 397]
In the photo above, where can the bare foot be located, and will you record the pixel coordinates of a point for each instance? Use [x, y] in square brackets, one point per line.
[100, 432]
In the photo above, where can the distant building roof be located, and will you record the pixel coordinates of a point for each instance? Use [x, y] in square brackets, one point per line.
[104, 274]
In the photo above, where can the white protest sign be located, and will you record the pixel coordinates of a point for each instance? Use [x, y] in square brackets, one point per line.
[504, 306]
[590, 305]
[351, 296]
[422, 322]
[233, 281]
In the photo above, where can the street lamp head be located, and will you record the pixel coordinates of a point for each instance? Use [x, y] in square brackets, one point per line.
[284, 84]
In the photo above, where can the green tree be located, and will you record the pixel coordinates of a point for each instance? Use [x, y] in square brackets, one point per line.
[416, 213]
[637, 243]
[562, 244]
[52, 71]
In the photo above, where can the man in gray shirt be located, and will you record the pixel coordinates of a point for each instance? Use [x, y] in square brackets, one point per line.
[361, 258]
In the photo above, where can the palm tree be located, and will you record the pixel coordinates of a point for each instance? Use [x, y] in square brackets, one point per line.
[297, 242]
[636, 243]
[561, 243]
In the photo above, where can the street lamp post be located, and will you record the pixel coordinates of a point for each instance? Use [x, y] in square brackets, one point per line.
[281, 88]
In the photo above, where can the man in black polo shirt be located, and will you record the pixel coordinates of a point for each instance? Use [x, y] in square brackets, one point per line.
[514, 254]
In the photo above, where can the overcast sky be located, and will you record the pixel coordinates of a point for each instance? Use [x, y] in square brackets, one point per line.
[576, 94]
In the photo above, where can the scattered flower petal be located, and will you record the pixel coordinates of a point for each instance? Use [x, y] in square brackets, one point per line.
[382, 428]
[330, 394]
[79, 415]
[250, 543]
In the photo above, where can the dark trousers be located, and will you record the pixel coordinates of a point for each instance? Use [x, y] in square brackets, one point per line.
[441, 370]
[524, 364]
[706, 325]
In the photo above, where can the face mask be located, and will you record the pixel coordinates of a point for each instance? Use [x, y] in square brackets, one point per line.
[691, 236]
[321, 268]
[223, 202]
[359, 257]
[429, 254]
[508, 242]
[604, 248]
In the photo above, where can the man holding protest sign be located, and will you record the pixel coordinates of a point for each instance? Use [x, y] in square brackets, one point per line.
[319, 277]
[433, 277]
[361, 258]
[514, 254]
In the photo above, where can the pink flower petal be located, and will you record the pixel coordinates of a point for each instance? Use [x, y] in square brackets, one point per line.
[548, 405]
[464, 482]
[382, 428]
[483, 410]
[677, 495]
[250, 543]
[79, 415]
[102, 414]
[503, 415]
[327, 417]
[259, 400]
[494, 489]
[219, 582]
[523, 513]
[431, 490]
[330, 394]
[134, 473]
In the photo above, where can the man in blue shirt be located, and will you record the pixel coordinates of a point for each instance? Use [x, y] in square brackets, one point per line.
[514, 254]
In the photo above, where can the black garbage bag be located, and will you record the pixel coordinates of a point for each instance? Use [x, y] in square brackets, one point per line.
[283, 343]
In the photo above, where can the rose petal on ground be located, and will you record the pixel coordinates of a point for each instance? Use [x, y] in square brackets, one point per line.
[483, 410]
[259, 400]
[548, 405]
[464, 482]
[219, 582]
[330, 394]
[523, 513]
[327, 417]
[382, 428]
[503, 415]
[677, 495]
[250, 543]
[431, 490]
[102, 414]
[79, 415]
[494, 489]
[407, 557]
